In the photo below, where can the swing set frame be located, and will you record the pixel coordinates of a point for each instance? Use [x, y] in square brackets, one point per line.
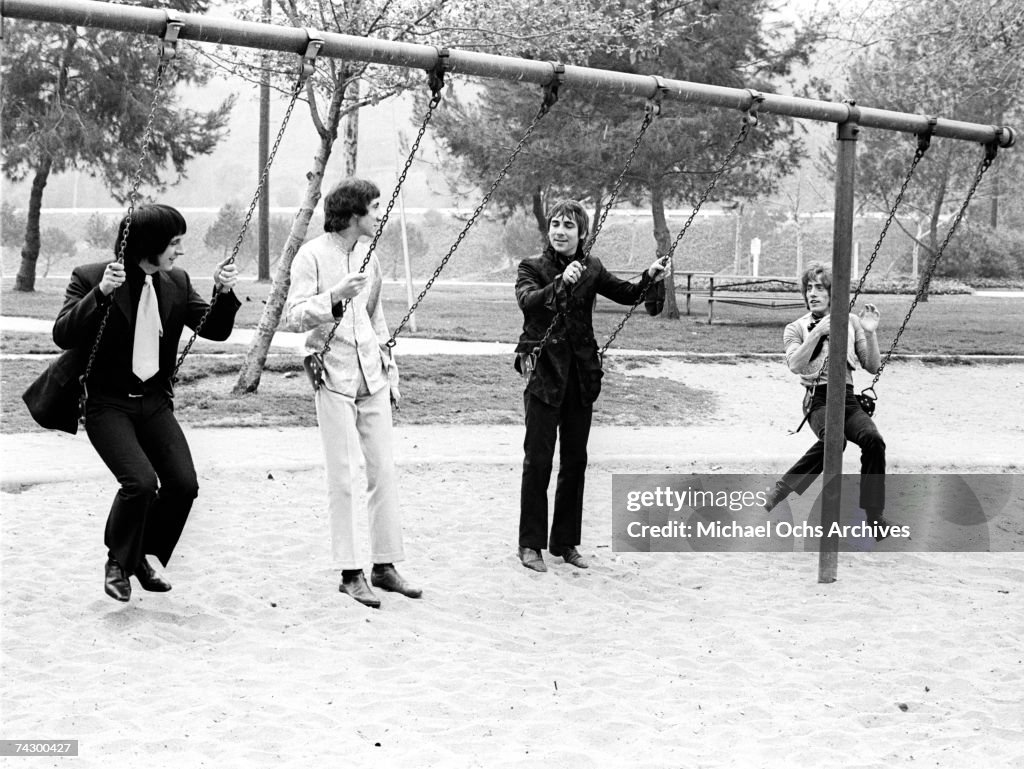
[849, 118]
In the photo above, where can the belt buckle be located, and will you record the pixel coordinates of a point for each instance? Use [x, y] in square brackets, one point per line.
[135, 395]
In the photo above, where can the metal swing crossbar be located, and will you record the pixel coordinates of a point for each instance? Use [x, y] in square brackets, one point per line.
[651, 110]
[167, 52]
[749, 121]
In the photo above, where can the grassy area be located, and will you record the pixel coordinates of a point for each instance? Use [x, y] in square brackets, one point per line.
[435, 389]
[485, 389]
[950, 325]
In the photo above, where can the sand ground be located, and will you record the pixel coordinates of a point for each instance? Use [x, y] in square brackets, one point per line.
[649, 660]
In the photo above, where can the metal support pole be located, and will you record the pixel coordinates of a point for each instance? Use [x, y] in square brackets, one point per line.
[263, 151]
[226, 31]
[839, 319]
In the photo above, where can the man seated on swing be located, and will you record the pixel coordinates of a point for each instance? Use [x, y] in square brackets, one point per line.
[563, 382]
[806, 342]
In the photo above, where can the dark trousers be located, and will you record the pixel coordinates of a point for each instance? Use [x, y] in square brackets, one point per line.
[139, 439]
[858, 428]
[570, 422]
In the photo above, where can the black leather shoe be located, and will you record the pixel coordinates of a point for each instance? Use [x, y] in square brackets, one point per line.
[115, 582]
[776, 495]
[532, 559]
[881, 527]
[149, 579]
[570, 555]
[386, 577]
[356, 587]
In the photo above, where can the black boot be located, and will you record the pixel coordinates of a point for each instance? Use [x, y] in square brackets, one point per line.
[115, 582]
[776, 495]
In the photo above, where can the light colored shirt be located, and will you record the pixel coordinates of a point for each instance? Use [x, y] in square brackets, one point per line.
[356, 353]
[794, 336]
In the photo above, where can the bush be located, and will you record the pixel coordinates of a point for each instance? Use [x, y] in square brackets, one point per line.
[54, 245]
[977, 253]
[389, 247]
[101, 231]
[223, 233]
[12, 225]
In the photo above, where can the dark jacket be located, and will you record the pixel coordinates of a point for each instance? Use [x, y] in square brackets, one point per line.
[541, 294]
[79, 320]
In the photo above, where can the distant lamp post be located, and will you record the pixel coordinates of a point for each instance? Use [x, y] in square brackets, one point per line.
[736, 207]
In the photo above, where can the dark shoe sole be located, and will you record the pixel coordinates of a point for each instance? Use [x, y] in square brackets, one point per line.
[117, 596]
[370, 603]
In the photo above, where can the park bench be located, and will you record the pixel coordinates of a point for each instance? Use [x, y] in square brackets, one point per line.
[719, 285]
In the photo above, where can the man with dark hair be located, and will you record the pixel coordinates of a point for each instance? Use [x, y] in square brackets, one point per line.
[347, 200]
[130, 409]
[360, 383]
[806, 344]
[564, 381]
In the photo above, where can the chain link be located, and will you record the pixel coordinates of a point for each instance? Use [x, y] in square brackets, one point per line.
[740, 138]
[983, 166]
[549, 98]
[147, 138]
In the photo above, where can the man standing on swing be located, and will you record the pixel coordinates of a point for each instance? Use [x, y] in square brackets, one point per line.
[806, 341]
[563, 382]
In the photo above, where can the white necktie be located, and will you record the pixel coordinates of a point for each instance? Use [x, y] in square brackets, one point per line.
[146, 349]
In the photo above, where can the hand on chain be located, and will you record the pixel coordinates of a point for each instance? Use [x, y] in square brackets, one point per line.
[572, 273]
[113, 277]
[225, 276]
[657, 270]
[348, 287]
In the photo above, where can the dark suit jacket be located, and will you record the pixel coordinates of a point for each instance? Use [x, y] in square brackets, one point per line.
[79, 320]
[541, 294]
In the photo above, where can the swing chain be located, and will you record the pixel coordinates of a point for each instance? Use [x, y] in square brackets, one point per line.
[550, 97]
[166, 51]
[306, 68]
[435, 81]
[990, 154]
[923, 142]
[651, 110]
[749, 120]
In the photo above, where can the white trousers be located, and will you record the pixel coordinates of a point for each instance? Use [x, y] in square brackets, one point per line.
[350, 428]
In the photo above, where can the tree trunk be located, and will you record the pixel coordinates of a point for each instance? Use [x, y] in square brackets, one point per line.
[26, 277]
[256, 355]
[933, 244]
[539, 215]
[350, 134]
[663, 241]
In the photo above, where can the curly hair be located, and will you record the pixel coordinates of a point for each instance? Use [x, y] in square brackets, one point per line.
[815, 270]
